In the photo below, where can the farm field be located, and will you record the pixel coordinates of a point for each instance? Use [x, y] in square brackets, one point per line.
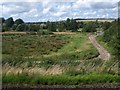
[65, 59]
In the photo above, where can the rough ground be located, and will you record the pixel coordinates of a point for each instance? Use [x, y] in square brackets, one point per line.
[102, 51]
[62, 87]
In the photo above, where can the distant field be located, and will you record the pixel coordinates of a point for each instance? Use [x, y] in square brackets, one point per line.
[94, 20]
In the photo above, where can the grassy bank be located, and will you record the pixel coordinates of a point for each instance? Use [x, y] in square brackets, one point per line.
[64, 79]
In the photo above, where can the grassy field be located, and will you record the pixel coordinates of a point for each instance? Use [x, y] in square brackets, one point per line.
[92, 78]
[68, 59]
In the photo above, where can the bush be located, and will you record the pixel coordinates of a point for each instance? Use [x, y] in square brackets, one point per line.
[44, 32]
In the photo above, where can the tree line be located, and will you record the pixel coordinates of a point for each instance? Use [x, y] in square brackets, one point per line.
[19, 25]
[59, 26]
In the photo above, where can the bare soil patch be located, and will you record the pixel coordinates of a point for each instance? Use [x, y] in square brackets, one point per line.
[12, 32]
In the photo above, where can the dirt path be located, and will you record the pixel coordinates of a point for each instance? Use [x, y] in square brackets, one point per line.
[12, 32]
[103, 52]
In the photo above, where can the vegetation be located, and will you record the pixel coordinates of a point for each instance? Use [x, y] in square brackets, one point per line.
[67, 25]
[92, 78]
[55, 47]
[34, 57]
[110, 39]
[19, 25]
[90, 27]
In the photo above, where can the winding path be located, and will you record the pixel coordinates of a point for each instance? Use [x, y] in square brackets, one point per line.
[102, 51]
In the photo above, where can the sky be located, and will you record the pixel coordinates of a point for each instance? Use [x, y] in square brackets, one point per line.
[55, 10]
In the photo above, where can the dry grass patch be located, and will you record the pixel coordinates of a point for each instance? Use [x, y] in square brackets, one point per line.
[54, 70]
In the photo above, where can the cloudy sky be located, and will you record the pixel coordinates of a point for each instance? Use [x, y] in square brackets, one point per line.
[53, 10]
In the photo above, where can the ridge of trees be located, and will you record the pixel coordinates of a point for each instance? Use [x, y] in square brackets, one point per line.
[19, 25]
[66, 25]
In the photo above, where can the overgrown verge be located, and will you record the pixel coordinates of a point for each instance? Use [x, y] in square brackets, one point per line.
[92, 78]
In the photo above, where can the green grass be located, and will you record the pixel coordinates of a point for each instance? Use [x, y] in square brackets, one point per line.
[73, 53]
[92, 78]
[27, 45]
[20, 49]
[74, 44]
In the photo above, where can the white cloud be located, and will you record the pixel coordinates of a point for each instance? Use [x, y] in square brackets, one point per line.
[59, 14]
[14, 8]
[46, 10]
[32, 13]
[98, 0]
[80, 4]
[64, 8]
[58, 10]
[36, 15]
[115, 9]
[59, 0]
[1, 10]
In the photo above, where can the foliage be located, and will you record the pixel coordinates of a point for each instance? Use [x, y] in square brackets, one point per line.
[73, 25]
[2, 20]
[44, 32]
[21, 27]
[9, 22]
[19, 21]
[89, 27]
[111, 37]
[60, 79]
[106, 25]
[52, 26]
[61, 27]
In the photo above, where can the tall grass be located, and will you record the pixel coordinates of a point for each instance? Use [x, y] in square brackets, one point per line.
[92, 78]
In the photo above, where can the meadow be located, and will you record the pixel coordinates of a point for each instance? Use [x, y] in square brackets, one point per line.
[62, 59]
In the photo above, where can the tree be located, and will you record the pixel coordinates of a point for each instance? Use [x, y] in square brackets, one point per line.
[2, 20]
[68, 27]
[89, 27]
[34, 27]
[9, 22]
[80, 24]
[14, 27]
[22, 27]
[19, 21]
[52, 26]
[73, 25]
[106, 25]
[61, 27]
[5, 27]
